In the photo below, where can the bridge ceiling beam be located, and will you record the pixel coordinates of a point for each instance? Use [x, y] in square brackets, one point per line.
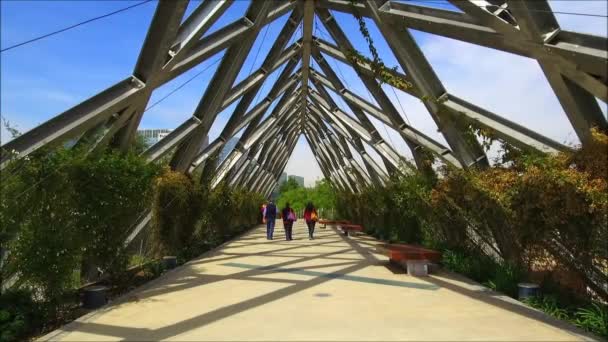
[331, 153]
[346, 135]
[268, 128]
[458, 108]
[577, 100]
[361, 116]
[309, 14]
[165, 42]
[275, 56]
[571, 50]
[183, 131]
[338, 141]
[383, 149]
[280, 167]
[412, 60]
[270, 149]
[467, 157]
[407, 131]
[286, 100]
[220, 84]
[326, 168]
[276, 149]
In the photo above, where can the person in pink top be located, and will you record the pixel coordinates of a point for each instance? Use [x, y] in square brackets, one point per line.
[311, 217]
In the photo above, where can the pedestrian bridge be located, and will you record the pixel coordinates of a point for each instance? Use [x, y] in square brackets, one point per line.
[333, 288]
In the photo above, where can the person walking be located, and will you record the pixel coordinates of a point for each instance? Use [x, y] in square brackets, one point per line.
[270, 215]
[263, 213]
[311, 217]
[289, 216]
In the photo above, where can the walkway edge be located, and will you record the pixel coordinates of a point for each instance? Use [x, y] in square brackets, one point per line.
[67, 328]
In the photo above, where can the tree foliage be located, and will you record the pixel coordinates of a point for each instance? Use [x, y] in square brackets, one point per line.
[63, 208]
[322, 195]
[289, 184]
[545, 214]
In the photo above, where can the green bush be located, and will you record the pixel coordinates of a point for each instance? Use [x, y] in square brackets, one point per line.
[19, 315]
[65, 209]
[108, 189]
[176, 210]
[593, 318]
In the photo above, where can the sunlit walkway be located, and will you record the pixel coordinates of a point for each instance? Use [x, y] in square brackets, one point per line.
[331, 288]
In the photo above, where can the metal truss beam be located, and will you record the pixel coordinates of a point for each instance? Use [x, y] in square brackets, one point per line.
[466, 157]
[507, 130]
[338, 142]
[375, 173]
[309, 14]
[575, 51]
[391, 165]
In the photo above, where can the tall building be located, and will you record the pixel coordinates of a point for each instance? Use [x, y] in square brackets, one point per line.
[228, 147]
[283, 178]
[298, 179]
[152, 136]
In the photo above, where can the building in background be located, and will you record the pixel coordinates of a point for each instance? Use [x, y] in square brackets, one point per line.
[283, 178]
[152, 136]
[228, 147]
[298, 179]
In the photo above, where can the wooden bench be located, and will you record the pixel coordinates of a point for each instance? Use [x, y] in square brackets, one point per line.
[345, 227]
[411, 256]
[331, 223]
[326, 222]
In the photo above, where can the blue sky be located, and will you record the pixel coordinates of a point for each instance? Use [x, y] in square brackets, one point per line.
[47, 77]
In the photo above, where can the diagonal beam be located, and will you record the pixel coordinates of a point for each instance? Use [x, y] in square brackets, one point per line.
[580, 105]
[160, 47]
[224, 77]
[507, 130]
[375, 173]
[467, 157]
[425, 80]
[578, 52]
[412, 134]
[340, 145]
[273, 57]
[309, 14]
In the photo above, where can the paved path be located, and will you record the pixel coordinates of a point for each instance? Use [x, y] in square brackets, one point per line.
[331, 288]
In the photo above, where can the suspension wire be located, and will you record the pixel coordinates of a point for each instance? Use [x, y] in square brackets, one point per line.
[368, 93]
[74, 26]
[182, 85]
[511, 5]
[52, 172]
[255, 99]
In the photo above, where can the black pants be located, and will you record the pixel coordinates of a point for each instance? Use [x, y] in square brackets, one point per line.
[288, 225]
[311, 227]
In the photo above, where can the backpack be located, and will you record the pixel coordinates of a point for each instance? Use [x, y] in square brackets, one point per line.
[313, 216]
[271, 210]
[291, 216]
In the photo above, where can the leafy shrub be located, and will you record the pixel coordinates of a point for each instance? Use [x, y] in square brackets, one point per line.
[64, 209]
[593, 318]
[19, 315]
[549, 305]
[109, 189]
[46, 244]
[177, 206]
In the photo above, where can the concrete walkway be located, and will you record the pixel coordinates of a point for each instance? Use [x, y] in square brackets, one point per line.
[330, 288]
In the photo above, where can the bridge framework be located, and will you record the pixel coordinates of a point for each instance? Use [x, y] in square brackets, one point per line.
[575, 65]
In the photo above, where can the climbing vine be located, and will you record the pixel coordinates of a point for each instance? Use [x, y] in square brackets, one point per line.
[379, 69]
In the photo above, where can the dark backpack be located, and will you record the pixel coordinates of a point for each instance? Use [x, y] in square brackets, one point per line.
[271, 210]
